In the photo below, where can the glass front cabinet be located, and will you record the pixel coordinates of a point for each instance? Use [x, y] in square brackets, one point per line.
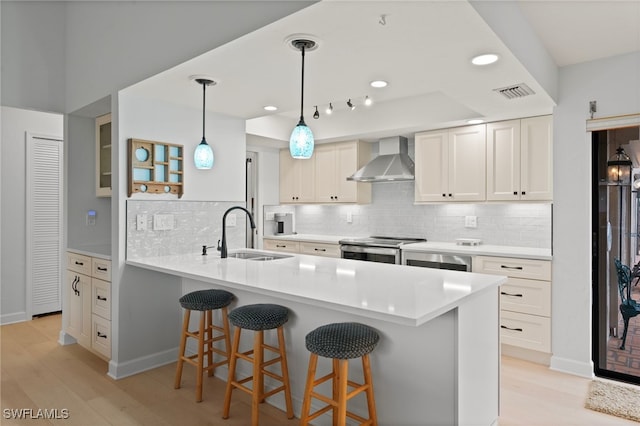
[103, 156]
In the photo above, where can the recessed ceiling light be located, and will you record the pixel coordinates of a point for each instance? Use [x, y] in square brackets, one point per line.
[270, 108]
[486, 59]
[475, 121]
[379, 83]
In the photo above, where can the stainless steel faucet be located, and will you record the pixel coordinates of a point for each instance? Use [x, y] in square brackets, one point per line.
[222, 247]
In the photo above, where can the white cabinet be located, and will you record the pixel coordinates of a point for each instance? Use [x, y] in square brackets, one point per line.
[450, 164]
[103, 156]
[302, 247]
[525, 300]
[334, 163]
[519, 160]
[297, 179]
[89, 302]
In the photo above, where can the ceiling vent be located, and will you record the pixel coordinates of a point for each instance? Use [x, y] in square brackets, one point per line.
[516, 91]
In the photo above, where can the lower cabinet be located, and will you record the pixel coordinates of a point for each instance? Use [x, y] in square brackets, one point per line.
[525, 302]
[89, 302]
[303, 247]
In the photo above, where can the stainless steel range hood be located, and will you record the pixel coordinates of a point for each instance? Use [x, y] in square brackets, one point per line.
[392, 163]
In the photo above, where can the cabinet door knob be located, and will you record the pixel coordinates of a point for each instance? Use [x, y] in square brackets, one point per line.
[524, 193]
[444, 195]
[450, 195]
[515, 192]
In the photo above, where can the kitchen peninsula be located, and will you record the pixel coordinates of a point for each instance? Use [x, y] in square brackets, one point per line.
[438, 359]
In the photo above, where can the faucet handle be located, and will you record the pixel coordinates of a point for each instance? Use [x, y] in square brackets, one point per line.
[219, 248]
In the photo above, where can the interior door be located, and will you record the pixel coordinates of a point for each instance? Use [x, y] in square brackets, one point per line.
[44, 224]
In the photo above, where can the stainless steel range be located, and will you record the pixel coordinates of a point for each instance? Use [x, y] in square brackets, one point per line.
[376, 248]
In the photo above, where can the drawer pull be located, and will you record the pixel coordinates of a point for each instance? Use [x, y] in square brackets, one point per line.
[104, 336]
[319, 249]
[74, 285]
[104, 299]
[517, 268]
[511, 294]
[79, 263]
[509, 328]
[102, 269]
[281, 246]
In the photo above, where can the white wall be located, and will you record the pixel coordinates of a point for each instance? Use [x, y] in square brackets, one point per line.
[15, 122]
[615, 84]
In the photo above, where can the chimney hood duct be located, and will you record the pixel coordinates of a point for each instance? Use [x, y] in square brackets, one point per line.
[392, 164]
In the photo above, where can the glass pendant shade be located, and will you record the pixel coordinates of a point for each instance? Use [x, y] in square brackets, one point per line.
[301, 142]
[619, 168]
[203, 156]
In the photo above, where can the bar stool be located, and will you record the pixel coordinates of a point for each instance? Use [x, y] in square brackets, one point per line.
[258, 317]
[340, 342]
[205, 301]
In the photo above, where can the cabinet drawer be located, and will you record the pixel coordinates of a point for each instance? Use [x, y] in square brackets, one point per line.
[511, 267]
[526, 296]
[319, 249]
[281, 245]
[79, 263]
[101, 337]
[101, 269]
[525, 331]
[101, 298]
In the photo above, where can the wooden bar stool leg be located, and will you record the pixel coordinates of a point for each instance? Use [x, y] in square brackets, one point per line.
[209, 340]
[311, 377]
[285, 372]
[258, 382]
[227, 332]
[183, 345]
[336, 390]
[232, 373]
[200, 359]
[343, 374]
[371, 403]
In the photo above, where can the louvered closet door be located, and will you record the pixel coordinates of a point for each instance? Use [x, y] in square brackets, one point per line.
[44, 224]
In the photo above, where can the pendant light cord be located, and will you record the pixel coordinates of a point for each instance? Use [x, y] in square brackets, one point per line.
[302, 87]
[204, 97]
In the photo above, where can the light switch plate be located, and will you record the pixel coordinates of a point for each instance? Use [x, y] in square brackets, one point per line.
[162, 222]
[141, 222]
[471, 221]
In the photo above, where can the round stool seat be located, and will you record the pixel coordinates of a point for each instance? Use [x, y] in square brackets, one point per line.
[205, 300]
[343, 340]
[261, 316]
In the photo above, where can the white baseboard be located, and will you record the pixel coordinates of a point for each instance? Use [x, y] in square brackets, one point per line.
[66, 339]
[13, 318]
[564, 365]
[129, 368]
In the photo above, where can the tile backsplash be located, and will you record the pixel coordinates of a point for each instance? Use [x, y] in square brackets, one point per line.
[393, 213]
[194, 223]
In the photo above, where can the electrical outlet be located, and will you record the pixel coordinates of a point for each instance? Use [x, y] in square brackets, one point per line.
[470, 222]
[349, 217]
[141, 222]
[162, 222]
[270, 216]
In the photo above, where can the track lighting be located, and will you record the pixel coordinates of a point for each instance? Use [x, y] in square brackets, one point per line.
[316, 114]
[329, 109]
[350, 105]
[368, 101]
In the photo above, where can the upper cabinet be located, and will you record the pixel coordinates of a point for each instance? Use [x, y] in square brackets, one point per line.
[297, 179]
[323, 177]
[103, 156]
[450, 164]
[519, 160]
[334, 163]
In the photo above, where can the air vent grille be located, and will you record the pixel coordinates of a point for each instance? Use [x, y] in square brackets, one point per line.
[516, 91]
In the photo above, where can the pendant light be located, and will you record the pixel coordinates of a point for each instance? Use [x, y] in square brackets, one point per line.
[619, 168]
[301, 141]
[203, 155]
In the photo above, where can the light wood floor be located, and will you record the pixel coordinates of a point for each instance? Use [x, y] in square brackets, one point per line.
[36, 372]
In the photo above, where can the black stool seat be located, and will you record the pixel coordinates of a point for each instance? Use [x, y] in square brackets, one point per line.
[343, 340]
[206, 300]
[261, 316]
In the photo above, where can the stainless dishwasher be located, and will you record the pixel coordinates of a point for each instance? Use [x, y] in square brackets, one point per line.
[451, 261]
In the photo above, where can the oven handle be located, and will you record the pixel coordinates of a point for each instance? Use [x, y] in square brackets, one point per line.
[368, 249]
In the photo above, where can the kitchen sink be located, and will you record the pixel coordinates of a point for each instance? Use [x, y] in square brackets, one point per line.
[257, 255]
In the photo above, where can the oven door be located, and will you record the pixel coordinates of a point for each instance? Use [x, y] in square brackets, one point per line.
[371, 254]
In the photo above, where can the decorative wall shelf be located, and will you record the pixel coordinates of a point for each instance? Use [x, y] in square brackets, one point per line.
[155, 167]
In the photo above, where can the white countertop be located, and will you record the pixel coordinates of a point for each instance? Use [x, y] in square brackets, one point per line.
[310, 238]
[400, 294]
[102, 251]
[481, 250]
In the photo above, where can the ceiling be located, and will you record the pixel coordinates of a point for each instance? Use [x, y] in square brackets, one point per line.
[423, 49]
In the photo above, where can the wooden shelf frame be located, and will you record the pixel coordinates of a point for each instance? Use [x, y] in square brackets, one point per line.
[155, 167]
